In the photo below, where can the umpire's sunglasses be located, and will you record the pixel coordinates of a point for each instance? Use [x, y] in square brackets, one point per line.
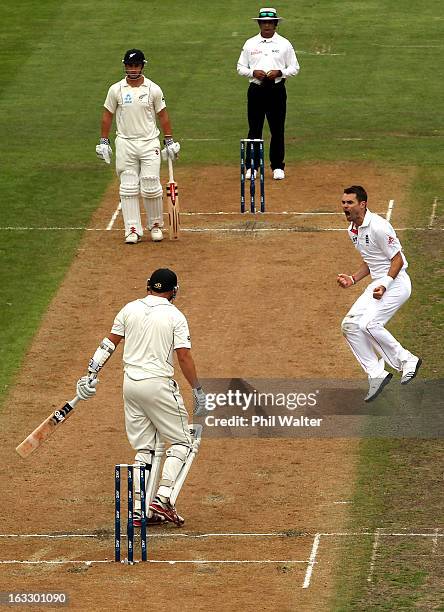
[267, 14]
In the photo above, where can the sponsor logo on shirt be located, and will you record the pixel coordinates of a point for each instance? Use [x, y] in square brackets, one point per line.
[367, 241]
[127, 99]
[391, 240]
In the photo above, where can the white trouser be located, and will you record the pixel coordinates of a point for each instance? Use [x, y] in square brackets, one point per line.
[140, 158]
[155, 405]
[363, 327]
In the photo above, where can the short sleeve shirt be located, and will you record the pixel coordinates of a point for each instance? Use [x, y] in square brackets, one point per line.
[377, 242]
[153, 328]
[135, 109]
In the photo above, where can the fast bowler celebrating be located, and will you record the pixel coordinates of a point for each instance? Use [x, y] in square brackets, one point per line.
[363, 326]
[136, 102]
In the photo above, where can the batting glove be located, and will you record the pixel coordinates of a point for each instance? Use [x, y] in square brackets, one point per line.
[86, 388]
[200, 402]
[171, 149]
[104, 151]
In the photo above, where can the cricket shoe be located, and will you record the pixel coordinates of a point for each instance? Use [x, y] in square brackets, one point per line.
[166, 510]
[248, 174]
[133, 237]
[278, 174]
[410, 369]
[156, 234]
[154, 519]
[376, 385]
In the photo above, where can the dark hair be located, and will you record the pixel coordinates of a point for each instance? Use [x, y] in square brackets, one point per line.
[359, 191]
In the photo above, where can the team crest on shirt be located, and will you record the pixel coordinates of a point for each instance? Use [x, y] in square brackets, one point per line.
[391, 240]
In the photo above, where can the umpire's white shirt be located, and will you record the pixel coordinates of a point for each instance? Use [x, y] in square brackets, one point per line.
[153, 328]
[275, 53]
[377, 242]
[135, 108]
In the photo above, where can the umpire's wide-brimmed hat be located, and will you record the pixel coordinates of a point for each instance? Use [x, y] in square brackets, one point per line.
[162, 280]
[267, 14]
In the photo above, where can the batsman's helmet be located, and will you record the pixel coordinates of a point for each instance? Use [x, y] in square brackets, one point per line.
[134, 57]
[162, 280]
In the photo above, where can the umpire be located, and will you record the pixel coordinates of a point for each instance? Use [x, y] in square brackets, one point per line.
[267, 60]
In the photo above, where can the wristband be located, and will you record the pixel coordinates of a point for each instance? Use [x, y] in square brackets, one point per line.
[353, 279]
[104, 141]
[386, 281]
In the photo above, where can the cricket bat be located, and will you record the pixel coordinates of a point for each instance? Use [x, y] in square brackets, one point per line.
[173, 203]
[47, 428]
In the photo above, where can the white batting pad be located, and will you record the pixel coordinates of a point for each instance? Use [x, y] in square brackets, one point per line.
[154, 211]
[150, 187]
[129, 199]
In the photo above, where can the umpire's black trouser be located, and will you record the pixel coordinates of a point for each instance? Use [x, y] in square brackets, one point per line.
[268, 100]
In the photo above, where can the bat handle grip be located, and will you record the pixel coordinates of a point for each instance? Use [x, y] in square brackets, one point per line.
[170, 170]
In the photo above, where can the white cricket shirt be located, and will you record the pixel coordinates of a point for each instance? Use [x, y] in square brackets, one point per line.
[135, 108]
[153, 328]
[275, 53]
[377, 242]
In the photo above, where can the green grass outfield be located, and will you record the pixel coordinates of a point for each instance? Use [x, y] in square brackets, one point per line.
[369, 89]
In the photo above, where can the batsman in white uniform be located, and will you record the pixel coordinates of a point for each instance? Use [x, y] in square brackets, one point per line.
[136, 102]
[364, 324]
[153, 330]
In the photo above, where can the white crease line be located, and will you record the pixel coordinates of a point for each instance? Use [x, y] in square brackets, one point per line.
[311, 561]
[391, 205]
[266, 213]
[246, 229]
[435, 541]
[296, 230]
[373, 557]
[433, 214]
[275, 534]
[318, 53]
[381, 533]
[162, 561]
[419, 535]
[114, 217]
